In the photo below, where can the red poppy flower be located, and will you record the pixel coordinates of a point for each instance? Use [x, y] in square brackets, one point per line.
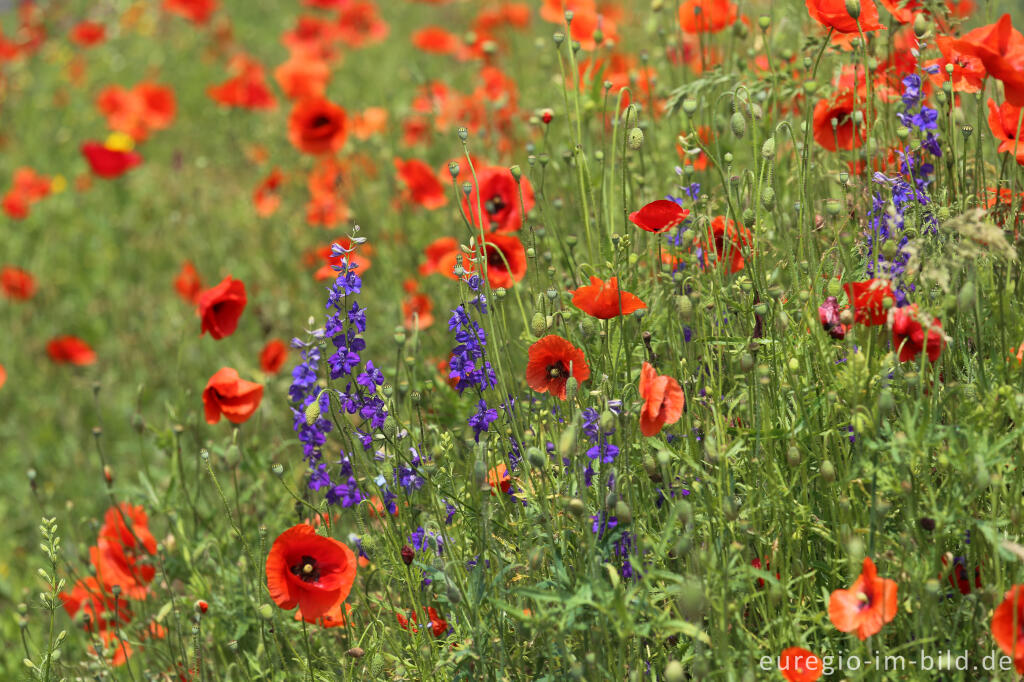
[247, 89]
[220, 307]
[848, 134]
[867, 299]
[968, 71]
[604, 300]
[303, 76]
[800, 665]
[828, 315]
[196, 11]
[659, 216]
[1003, 121]
[122, 550]
[551, 359]
[507, 15]
[187, 283]
[499, 199]
[360, 25]
[1008, 625]
[436, 40]
[136, 112]
[554, 10]
[3, 376]
[422, 186]
[869, 604]
[310, 571]
[663, 400]
[585, 24]
[109, 163]
[70, 350]
[435, 252]
[369, 122]
[833, 14]
[88, 33]
[27, 188]
[728, 242]
[100, 608]
[437, 624]
[910, 337]
[499, 479]
[958, 576]
[417, 311]
[506, 260]
[756, 563]
[16, 283]
[1000, 48]
[273, 355]
[158, 104]
[707, 16]
[334, 618]
[317, 126]
[266, 198]
[227, 394]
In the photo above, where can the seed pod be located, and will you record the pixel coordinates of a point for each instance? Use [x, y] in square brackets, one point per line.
[828, 472]
[793, 456]
[576, 507]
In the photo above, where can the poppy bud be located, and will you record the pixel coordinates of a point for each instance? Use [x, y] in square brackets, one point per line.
[684, 306]
[748, 218]
[356, 652]
[768, 198]
[828, 472]
[764, 21]
[738, 123]
[266, 612]
[390, 427]
[746, 362]
[927, 524]
[846, 317]
[674, 672]
[516, 172]
[201, 607]
[853, 8]
[536, 458]
[607, 420]
[689, 106]
[547, 115]
[108, 474]
[691, 600]
[571, 386]
[623, 513]
[768, 149]
[576, 507]
[635, 138]
[920, 25]
[538, 325]
[278, 469]
[408, 554]
[793, 456]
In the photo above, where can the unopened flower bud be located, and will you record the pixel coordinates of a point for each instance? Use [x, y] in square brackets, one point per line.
[738, 123]
[635, 138]
[853, 8]
[408, 554]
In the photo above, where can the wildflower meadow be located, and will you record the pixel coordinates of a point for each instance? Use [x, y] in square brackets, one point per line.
[512, 340]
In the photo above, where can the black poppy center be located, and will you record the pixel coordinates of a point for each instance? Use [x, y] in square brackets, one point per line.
[306, 569]
[557, 370]
[321, 121]
[495, 204]
[494, 258]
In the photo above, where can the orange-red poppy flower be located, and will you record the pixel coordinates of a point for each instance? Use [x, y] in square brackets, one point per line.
[3, 376]
[359, 24]
[438, 625]
[369, 122]
[499, 199]
[101, 610]
[303, 76]
[604, 300]
[109, 163]
[220, 307]
[436, 252]
[334, 618]
[436, 40]
[841, 108]
[506, 15]
[196, 11]
[554, 10]
[659, 216]
[1000, 47]
[16, 283]
[1008, 625]
[663, 400]
[868, 300]
[506, 260]
[968, 71]
[869, 604]
[246, 89]
[88, 33]
[187, 283]
[27, 188]
[499, 479]
[310, 571]
[123, 546]
[910, 336]
[266, 198]
[273, 355]
[707, 16]
[834, 15]
[417, 311]
[317, 126]
[70, 350]
[800, 665]
[551, 361]
[1003, 121]
[231, 396]
[421, 184]
[727, 240]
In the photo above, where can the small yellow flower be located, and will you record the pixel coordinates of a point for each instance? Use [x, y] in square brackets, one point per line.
[119, 142]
